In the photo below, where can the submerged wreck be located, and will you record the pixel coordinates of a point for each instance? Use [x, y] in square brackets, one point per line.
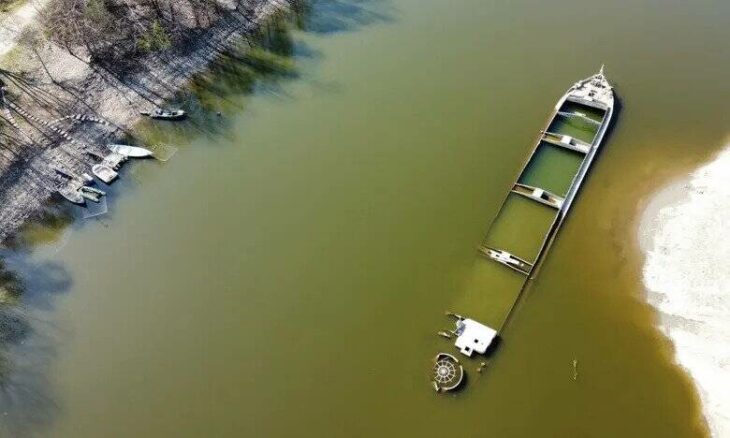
[573, 136]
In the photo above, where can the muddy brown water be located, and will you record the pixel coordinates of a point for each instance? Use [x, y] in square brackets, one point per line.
[285, 273]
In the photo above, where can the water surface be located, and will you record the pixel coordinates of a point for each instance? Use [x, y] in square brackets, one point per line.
[552, 168]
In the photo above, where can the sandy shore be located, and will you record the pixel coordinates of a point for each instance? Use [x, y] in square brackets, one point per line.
[684, 234]
[47, 86]
[14, 23]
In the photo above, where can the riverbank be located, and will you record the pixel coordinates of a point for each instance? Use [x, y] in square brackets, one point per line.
[46, 84]
[14, 21]
[687, 275]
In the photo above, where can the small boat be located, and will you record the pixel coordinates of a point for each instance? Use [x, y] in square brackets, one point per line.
[63, 172]
[91, 193]
[165, 114]
[104, 173]
[130, 151]
[114, 160]
[91, 196]
[71, 195]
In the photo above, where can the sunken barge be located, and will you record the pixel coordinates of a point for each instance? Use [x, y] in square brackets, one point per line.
[548, 184]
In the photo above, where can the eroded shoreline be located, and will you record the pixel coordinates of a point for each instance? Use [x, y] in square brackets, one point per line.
[687, 277]
[55, 84]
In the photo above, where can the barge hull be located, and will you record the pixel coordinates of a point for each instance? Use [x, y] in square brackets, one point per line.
[598, 99]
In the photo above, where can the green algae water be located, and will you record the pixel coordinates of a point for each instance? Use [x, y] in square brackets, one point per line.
[552, 169]
[286, 272]
[521, 227]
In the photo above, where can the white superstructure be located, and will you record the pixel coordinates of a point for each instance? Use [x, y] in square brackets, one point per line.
[473, 337]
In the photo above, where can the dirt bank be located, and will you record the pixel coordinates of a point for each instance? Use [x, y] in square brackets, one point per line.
[14, 23]
[46, 86]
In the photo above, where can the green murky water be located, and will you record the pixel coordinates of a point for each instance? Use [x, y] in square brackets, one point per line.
[521, 227]
[575, 127]
[552, 168]
[285, 273]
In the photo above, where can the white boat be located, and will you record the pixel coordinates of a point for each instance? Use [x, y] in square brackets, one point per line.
[104, 173]
[130, 151]
[114, 160]
[71, 195]
[90, 196]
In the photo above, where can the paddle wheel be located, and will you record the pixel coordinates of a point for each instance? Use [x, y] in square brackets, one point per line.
[447, 372]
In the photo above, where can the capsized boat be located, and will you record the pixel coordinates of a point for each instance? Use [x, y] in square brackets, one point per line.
[104, 173]
[163, 114]
[130, 151]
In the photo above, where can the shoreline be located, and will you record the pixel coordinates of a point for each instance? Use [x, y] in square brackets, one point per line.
[687, 279]
[73, 86]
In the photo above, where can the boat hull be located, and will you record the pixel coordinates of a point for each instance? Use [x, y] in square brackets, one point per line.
[72, 196]
[104, 173]
[130, 151]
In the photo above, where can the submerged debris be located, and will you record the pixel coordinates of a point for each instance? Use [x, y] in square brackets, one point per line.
[445, 334]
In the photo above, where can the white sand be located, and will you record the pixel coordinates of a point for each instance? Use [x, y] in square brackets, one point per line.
[685, 233]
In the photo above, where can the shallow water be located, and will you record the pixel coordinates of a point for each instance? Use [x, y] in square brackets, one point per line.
[521, 227]
[552, 169]
[574, 126]
[284, 274]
